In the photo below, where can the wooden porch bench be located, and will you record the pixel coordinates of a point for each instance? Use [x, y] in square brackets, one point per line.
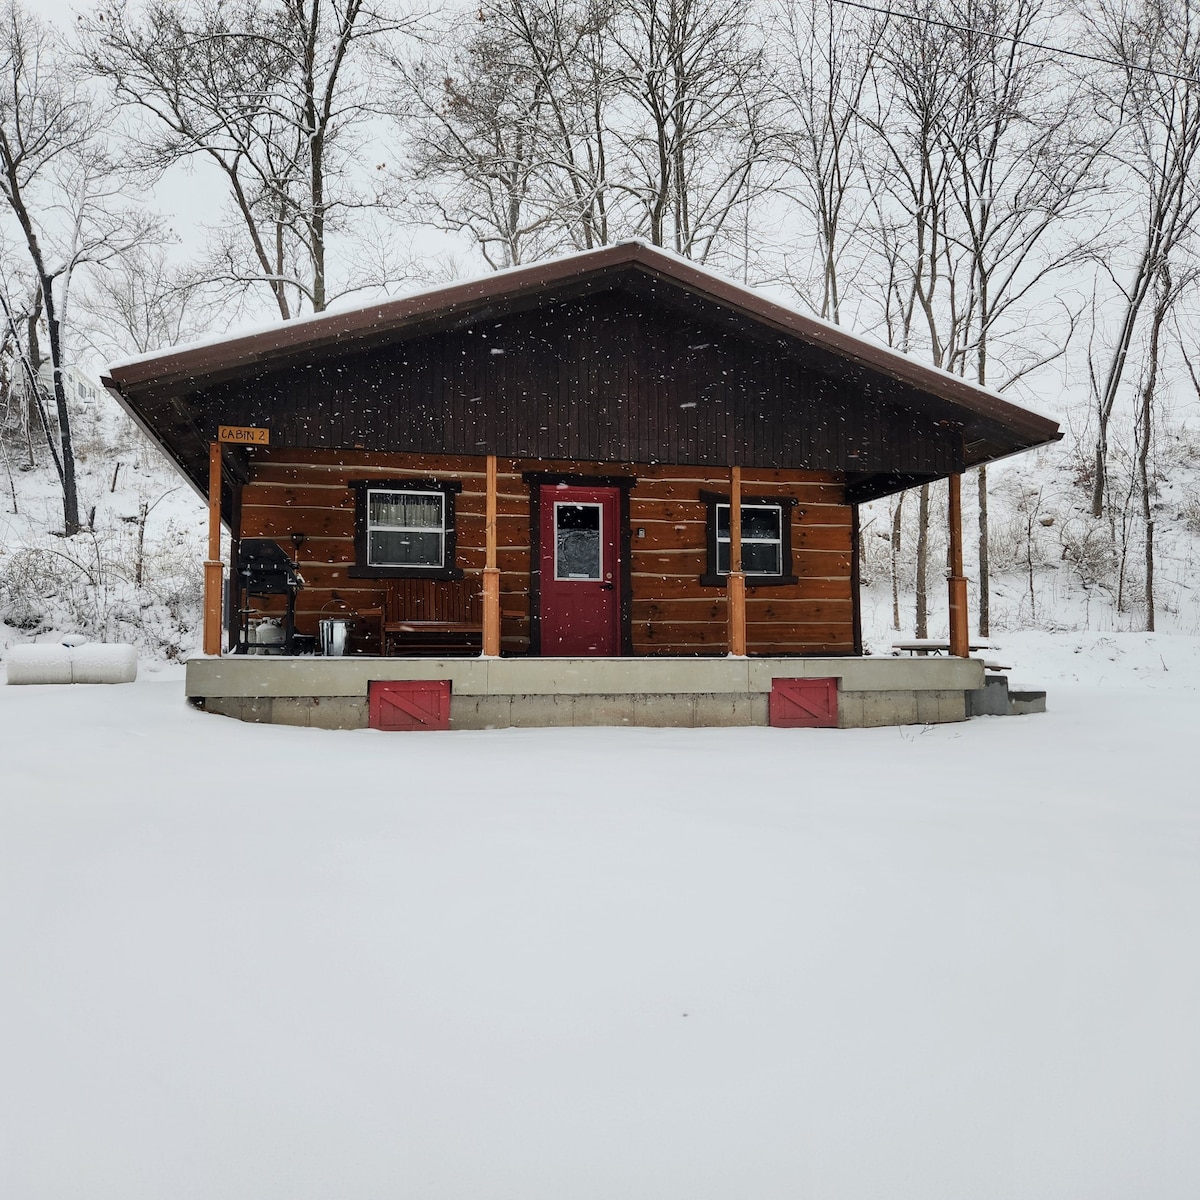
[433, 616]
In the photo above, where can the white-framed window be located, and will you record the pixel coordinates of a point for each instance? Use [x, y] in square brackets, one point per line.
[404, 528]
[766, 539]
[762, 539]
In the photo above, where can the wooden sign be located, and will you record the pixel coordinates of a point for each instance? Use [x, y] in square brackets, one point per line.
[243, 435]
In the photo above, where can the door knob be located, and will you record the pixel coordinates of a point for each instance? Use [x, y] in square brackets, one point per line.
[608, 587]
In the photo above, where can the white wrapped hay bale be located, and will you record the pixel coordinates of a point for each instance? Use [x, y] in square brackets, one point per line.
[38, 663]
[95, 662]
[101, 662]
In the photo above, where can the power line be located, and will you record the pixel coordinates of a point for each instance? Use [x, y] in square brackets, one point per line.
[1016, 41]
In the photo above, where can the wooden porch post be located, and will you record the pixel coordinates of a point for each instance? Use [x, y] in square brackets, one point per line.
[959, 629]
[214, 569]
[491, 573]
[737, 580]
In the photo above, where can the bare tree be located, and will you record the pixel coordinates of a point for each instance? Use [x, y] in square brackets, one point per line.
[141, 303]
[543, 125]
[1168, 288]
[1163, 300]
[24, 396]
[821, 66]
[693, 72]
[565, 47]
[481, 113]
[979, 201]
[1155, 112]
[269, 95]
[1024, 158]
[909, 175]
[63, 194]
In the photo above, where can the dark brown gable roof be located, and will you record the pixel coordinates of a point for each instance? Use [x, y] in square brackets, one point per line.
[148, 387]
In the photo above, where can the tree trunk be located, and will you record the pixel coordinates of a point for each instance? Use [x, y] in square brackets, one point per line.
[1148, 521]
[70, 494]
[45, 280]
[1146, 435]
[139, 562]
[33, 410]
[315, 127]
[31, 363]
[1029, 573]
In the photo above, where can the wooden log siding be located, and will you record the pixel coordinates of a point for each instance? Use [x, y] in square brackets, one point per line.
[307, 491]
[672, 613]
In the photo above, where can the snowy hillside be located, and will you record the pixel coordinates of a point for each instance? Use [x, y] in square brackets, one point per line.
[1053, 565]
[133, 574]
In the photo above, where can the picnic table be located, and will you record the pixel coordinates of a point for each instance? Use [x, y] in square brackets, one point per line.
[925, 646]
[935, 646]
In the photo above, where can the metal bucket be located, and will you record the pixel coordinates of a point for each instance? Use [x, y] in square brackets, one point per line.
[335, 631]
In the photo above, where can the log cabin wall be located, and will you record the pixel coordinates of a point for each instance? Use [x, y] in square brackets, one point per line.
[307, 491]
[673, 613]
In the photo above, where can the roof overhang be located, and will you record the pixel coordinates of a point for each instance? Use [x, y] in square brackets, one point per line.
[992, 427]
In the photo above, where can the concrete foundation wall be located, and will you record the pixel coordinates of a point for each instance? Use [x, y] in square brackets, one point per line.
[663, 710]
[319, 712]
[501, 693]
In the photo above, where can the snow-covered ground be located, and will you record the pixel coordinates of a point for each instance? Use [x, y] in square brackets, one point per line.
[249, 963]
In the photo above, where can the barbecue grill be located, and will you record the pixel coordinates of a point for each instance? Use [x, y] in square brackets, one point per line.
[262, 568]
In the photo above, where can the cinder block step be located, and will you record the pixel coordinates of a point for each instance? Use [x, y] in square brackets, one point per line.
[1020, 703]
[991, 700]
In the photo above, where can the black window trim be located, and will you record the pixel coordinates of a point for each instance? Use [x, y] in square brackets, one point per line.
[711, 576]
[363, 570]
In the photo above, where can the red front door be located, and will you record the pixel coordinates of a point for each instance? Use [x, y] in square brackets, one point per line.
[580, 605]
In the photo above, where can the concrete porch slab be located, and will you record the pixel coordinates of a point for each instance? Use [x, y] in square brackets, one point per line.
[502, 693]
[263, 675]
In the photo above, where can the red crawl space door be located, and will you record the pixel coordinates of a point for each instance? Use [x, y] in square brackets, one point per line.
[580, 582]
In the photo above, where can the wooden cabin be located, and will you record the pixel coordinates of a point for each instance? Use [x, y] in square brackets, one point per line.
[570, 459]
